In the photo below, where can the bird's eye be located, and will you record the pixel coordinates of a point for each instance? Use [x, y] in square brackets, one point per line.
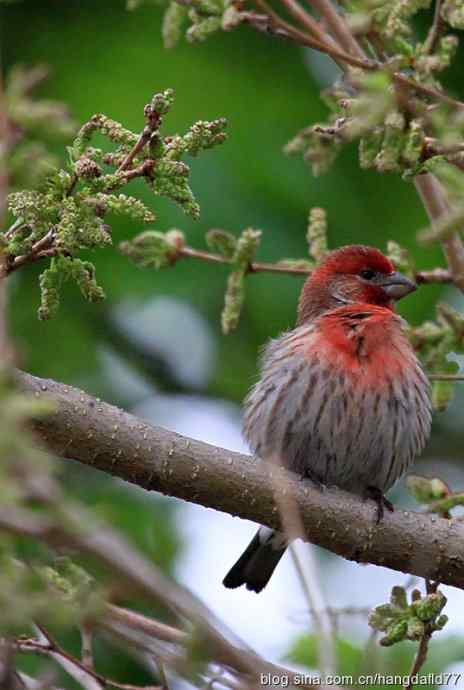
[368, 274]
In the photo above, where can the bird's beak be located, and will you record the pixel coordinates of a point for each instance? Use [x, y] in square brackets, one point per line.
[396, 285]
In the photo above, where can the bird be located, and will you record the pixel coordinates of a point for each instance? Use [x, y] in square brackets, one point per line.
[341, 398]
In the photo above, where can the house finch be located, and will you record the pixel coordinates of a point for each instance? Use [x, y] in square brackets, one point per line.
[342, 398]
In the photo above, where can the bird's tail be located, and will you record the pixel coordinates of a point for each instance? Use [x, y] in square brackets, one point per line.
[259, 560]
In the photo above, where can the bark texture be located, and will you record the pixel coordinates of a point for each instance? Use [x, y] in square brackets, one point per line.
[108, 439]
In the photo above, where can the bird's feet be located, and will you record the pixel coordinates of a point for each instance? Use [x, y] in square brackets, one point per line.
[382, 502]
[307, 474]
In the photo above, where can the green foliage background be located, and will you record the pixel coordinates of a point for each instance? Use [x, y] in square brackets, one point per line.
[105, 59]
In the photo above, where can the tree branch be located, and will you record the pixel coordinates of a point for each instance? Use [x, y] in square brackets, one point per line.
[146, 633]
[434, 199]
[338, 27]
[267, 24]
[109, 439]
[435, 275]
[5, 353]
[306, 20]
[435, 30]
[76, 528]
[431, 192]
[82, 674]
[419, 660]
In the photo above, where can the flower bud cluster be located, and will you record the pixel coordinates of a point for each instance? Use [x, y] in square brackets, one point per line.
[402, 621]
[67, 214]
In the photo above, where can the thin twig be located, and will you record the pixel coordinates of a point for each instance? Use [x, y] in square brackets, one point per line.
[86, 645]
[427, 90]
[116, 620]
[77, 669]
[292, 527]
[255, 267]
[5, 347]
[338, 27]
[153, 122]
[31, 683]
[266, 24]
[434, 199]
[435, 30]
[308, 575]
[17, 225]
[432, 147]
[272, 24]
[149, 626]
[370, 653]
[419, 661]
[433, 276]
[306, 20]
[44, 249]
[335, 612]
[162, 673]
[4, 142]
[145, 169]
[40, 249]
[44, 646]
[130, 568]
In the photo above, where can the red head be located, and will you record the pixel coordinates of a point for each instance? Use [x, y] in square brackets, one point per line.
[352, 274]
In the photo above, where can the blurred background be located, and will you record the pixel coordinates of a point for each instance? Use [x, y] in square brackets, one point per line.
[155, 346]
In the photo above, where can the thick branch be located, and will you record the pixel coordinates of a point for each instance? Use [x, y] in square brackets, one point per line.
[109, 439]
